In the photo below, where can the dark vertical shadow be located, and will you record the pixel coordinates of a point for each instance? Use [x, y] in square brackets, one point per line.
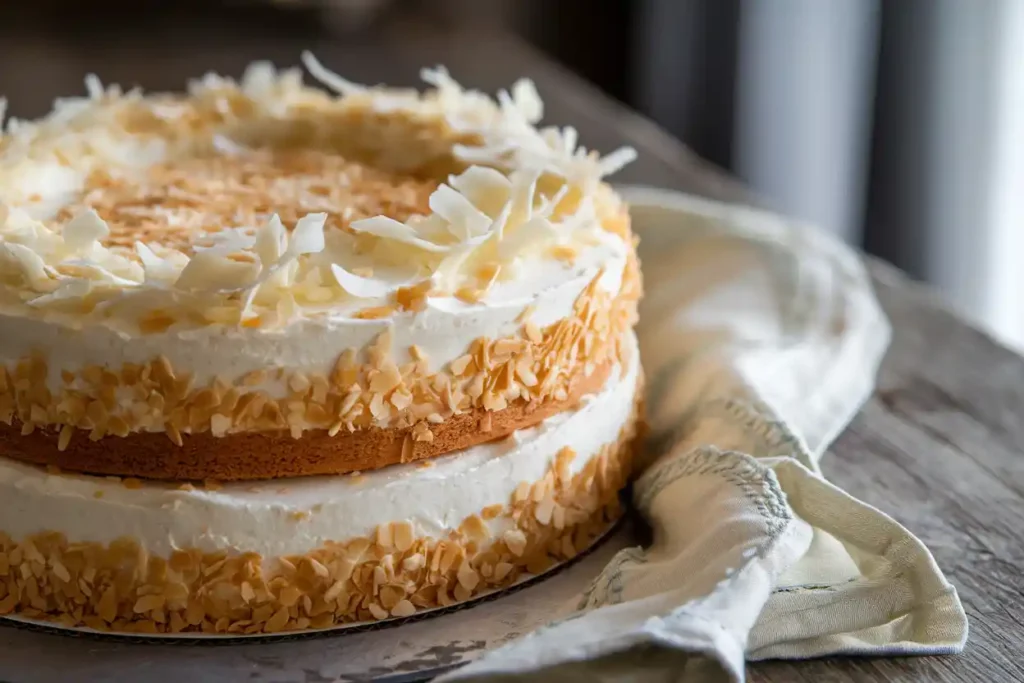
[894, 221]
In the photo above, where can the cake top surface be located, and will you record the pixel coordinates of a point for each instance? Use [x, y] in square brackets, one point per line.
[264, 201]
[182, 204]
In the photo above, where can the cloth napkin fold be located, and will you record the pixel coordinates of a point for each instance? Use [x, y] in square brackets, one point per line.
[760, 339]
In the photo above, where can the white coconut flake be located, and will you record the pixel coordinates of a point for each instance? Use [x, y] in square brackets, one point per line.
[271, 241]
[514, 122]
[27, 263]
[486, 188]
[522, 193]
[209, 82]
[390, 229]
[155, 268]
[439, 77]
[328, 77]
[259, 79]
[209, 272]
[75, 288]
[364, 287]
[447, 274]
[566, 138]
[616, 161]
[308, 235]
[531, 235]
[449, 271]
[584, 217]
[96, 272]
[528, 100]
[94, 87]
[548, 205]
[464, 219]
[84, 230]
[479, 179]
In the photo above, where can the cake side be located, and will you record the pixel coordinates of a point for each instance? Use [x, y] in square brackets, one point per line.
[129, 556]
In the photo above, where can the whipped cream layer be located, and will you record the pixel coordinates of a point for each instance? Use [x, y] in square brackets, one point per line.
[443, 330]
[289, 517]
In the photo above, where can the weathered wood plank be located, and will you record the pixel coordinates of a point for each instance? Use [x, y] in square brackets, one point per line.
[938, 448]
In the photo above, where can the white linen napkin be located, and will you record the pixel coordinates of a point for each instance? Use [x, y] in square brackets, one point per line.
[760, 339]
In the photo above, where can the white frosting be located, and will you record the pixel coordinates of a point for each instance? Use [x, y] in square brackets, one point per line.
[506, 207]
[443, 331]
[262, 517]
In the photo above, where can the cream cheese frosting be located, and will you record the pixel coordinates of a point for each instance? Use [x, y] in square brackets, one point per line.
[292, 517]
[522, 204]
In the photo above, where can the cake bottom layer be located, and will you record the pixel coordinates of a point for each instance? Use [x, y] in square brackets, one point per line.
[288, 555]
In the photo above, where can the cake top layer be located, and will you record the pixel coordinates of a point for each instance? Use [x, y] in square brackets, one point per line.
[182, 204]
[263, 202]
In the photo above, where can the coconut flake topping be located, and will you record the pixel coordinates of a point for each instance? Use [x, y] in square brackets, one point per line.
[515, 191]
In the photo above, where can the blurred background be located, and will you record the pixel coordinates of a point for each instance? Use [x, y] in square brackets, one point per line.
[897, 125]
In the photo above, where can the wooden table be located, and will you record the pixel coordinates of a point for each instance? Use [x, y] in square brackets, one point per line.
[939, 445]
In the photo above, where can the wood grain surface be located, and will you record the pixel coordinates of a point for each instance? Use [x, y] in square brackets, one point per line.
[938, 447]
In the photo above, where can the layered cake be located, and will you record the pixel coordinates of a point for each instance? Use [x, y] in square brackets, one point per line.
[276, 357]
